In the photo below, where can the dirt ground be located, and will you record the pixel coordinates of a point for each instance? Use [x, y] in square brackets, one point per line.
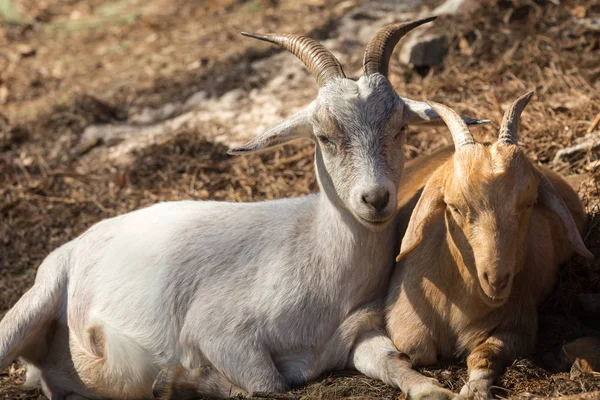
[109, 106]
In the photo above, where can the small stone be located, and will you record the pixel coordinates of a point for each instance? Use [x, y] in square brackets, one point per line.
[424, 50]
[453, 7]
[25, 50]
[579, 12]
[3, 94]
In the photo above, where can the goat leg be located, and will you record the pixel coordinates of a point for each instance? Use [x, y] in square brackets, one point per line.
[375, 356]
[486, 362]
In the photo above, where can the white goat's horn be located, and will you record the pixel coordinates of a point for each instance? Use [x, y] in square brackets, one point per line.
[380, 47]
[510, 121]
[458, 128]
[320, 61]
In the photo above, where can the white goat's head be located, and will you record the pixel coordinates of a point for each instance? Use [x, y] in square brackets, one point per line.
[487, 194]
[357, 125]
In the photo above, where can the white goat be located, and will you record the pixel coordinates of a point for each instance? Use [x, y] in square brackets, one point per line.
[481, 250]
[234, 298]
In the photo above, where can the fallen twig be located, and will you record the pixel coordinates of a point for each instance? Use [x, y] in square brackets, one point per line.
[591, 141]
[594, 123]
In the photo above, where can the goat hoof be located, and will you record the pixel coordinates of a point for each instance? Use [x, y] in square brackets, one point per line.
[477, 390]
[432, 391]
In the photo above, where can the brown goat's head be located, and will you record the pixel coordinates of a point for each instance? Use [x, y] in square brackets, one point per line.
[486, 195]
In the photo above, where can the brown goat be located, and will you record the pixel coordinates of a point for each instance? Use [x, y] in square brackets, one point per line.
[482, 247]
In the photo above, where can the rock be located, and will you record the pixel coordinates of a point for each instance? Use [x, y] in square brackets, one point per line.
[425, 46]
[233, 97]
[424, 50]
[453, 7]
[196, 100]
[25, 50]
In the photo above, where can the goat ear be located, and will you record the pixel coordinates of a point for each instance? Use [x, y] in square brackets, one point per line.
[429, 208]
[549, 198]
[421, 113]
[297, 127]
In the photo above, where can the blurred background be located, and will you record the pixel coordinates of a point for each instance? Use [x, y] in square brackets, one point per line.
[110, 105]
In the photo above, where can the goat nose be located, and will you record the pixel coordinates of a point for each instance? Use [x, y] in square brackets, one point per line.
[377, 198]
[498, 282]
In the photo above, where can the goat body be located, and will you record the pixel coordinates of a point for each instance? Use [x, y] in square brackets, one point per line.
[438, 306]
[161, 286]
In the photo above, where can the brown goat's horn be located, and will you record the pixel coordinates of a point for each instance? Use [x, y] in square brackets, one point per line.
[510, 121]
[380, 47]
[321, 63]
[458, 128]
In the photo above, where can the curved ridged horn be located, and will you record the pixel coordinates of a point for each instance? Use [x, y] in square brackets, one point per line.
[321, 63]
[458, 128]
[380, 47]
[510, 120]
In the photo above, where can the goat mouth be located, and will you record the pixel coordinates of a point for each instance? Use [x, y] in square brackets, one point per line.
[375, 224]
[493, 301]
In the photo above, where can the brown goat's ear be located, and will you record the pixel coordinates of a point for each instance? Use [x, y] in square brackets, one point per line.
[428, 209]
[549, 198]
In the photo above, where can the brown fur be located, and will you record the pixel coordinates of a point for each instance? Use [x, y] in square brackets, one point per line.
[91, 358]
[178, 383]
[485, 213]
[97, 344]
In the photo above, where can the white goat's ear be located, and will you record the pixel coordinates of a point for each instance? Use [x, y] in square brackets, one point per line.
[297, 127]
[549, 198]
[421, 113]
[428, 209]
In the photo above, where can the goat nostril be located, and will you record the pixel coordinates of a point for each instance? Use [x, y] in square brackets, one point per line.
[498, 282]
[378, 199]
[486, 277]
[502, 282]
[382, 201]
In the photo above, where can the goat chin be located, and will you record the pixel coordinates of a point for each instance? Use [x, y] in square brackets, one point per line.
[375, 225]
[493, 301]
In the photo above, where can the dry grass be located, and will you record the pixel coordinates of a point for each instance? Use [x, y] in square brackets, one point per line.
[49, 197]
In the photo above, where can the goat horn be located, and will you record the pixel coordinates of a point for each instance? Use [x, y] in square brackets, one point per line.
[457, 126]
[380, 47]
[510, 121]
[320, 61]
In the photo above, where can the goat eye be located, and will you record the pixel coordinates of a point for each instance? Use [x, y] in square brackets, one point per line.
[454, 209]
[325, 140]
